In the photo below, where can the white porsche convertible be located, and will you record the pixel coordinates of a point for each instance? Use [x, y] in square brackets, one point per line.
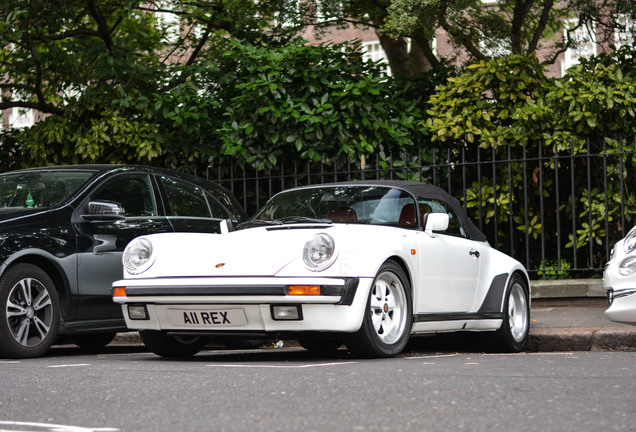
[367, 264]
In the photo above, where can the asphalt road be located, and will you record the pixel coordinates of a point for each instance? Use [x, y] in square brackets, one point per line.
[288, 389]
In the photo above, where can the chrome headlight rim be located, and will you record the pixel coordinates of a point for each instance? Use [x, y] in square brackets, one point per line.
[138, 256]
[629, 243]
[319, 252]
[627, 267]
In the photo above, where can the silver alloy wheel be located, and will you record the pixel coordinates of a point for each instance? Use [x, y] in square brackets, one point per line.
[388, 307]
[29, 312]
[518, 312]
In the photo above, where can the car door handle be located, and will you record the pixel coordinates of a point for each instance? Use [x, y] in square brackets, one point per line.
[474, 253]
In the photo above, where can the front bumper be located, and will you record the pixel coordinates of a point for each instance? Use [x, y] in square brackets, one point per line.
[222, 305]
[622, 305]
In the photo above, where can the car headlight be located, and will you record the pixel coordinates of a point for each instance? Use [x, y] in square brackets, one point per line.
[138, 256]
[628, 266]
[319, 252]
[629, 244]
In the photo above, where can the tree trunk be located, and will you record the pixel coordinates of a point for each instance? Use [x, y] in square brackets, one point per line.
[403, 61]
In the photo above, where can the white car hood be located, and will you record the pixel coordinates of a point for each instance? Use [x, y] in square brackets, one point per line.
[249, 252]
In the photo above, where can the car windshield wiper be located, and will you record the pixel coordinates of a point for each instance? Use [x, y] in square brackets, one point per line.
[302, 219]
[257, 223]
[283, 221]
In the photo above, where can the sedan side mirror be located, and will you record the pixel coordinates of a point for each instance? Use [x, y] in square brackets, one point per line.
[436, 222]
[104, 211]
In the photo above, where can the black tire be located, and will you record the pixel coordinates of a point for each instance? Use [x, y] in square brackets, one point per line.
[172, 346]
[387, 322]
[29, 312]
[91, 340]
[512, 336]
[321, 343]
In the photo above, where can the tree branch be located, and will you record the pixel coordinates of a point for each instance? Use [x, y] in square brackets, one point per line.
[46, 108]
[521, 10]
[457, 34]
[37, 85]
[102, 25]
[541, 25]
[198, 48]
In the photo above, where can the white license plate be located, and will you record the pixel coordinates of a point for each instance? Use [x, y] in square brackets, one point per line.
[207, 317]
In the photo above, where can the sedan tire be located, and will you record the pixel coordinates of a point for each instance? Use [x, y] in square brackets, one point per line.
[512, 336]
[172, 346]
[321, 343]
[388, 319]
[29, 312]
[92, 341]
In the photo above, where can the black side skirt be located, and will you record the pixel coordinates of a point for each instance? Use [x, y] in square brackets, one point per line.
[491, 308]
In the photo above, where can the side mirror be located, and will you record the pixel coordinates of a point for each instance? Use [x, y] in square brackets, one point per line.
[436, 222]
[104, 211]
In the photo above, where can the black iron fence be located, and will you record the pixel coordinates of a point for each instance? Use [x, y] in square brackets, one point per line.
[558, 211]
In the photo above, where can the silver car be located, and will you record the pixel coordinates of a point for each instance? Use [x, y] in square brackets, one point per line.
[619, 280]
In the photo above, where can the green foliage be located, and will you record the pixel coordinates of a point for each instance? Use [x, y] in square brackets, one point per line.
[490, 104]
[595, 101]
[254, 105]
[555, 270]
[313, 102]
[509, 107]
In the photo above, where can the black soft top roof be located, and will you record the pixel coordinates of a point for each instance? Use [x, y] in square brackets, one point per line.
[422, 190]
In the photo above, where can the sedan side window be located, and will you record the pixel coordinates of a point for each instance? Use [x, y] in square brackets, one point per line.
[132, 191]
[185, 199]
[455, 227]
[216, 208]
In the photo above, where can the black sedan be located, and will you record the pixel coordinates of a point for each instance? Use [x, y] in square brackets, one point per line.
[62, 233]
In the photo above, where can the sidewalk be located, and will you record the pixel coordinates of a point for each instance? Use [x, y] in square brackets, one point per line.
[569, 315]
[565, 316]
[578, 328]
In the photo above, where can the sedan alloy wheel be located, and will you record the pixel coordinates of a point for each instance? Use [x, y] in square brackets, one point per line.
[30, 312]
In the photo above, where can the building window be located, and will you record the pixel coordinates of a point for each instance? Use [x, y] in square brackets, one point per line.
[624, 36]
[495, 49]
[168, 21]
[584, 40]
[21, 118]
[374, 52]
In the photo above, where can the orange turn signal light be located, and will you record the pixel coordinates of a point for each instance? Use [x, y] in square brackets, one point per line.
[304, 290]
[119, 292]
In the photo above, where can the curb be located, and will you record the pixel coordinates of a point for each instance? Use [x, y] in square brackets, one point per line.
[539, 339]
[582, 339]
[567, 288]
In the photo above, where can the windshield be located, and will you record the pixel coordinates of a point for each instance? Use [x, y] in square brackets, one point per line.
[378, 205]
[39, 189]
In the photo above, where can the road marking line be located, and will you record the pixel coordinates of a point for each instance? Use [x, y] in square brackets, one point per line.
[52, 427]
[431, 356]
[70, 365]
[280, 366]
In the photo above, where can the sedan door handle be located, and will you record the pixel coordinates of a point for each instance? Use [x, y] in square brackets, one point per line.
[474, 253]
